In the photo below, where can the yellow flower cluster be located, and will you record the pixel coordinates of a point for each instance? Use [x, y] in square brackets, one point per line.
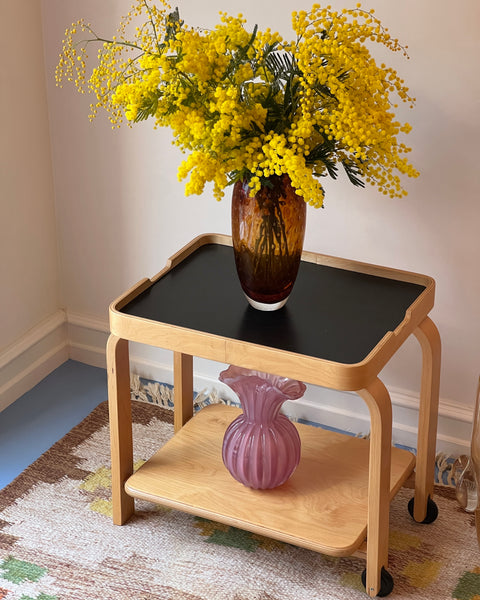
[249, 105]
[331, 54]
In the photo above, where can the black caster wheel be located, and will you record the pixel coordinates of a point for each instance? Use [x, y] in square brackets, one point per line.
[386, 582]
[432, 510]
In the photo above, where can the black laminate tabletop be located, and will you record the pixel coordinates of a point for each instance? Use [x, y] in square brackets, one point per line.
[332, 314]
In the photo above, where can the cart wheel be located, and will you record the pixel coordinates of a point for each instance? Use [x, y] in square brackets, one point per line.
[432, 510]
[386, 582]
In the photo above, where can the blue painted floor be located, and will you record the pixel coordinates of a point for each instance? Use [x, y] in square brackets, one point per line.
[38, 419]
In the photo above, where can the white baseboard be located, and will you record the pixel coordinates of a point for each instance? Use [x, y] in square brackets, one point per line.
[87, 339]
[34, 356]
[82, 338]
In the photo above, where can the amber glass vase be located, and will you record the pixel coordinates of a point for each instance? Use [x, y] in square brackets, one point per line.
[268, 230]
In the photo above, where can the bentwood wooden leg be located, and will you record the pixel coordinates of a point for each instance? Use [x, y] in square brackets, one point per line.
[121, 442]
[429, 338]
[378, 401]
[183, 389]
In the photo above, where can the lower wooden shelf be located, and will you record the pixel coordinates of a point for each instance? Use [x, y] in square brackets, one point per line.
[322, 507]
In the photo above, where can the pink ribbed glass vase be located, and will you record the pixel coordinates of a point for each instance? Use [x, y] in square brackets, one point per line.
[261, 447]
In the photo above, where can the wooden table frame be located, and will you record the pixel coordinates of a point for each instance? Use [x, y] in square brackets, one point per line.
[361, 378]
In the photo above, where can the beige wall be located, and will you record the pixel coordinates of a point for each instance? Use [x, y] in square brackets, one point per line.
[28, 241]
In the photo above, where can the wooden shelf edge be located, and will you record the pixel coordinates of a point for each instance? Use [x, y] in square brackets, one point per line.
[247, 526]
[214, 484]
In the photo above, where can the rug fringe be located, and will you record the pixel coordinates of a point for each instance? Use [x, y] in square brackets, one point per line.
[161, 394]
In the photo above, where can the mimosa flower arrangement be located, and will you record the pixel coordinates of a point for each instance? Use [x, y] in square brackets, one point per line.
[245, 104]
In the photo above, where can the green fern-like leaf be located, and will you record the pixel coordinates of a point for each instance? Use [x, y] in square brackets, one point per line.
[353, 172]
[240, 56]
[148, 109]
[324, 153]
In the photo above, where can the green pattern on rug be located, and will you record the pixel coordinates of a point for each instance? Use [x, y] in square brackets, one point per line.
[18, 571]
[41, 597]
[468, 587]
[225, 535]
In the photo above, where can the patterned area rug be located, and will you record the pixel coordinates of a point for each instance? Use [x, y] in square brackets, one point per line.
[57, 540]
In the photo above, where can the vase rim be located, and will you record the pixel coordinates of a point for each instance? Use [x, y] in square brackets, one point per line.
[292, 389]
